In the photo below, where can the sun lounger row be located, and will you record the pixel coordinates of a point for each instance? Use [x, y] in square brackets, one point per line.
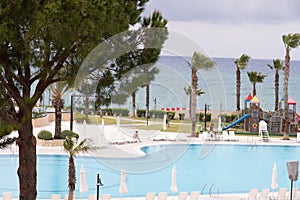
[265, 194]
[181, 196]
[170, 137]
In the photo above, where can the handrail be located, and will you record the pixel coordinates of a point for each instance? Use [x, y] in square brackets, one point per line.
[210, 189]
[206, 185]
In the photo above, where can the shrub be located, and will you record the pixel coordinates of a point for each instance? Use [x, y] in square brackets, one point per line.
[45, 135]
[171, 115]
[208, 117]
[158, 113]
[120, 111]
[141, 112]
[70, 133]
[181, 116]
[201, 117]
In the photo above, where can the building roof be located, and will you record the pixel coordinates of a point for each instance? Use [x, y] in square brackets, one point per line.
[255, 99]
[291, 101]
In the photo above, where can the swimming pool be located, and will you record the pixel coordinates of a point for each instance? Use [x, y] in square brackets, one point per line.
[231, 168]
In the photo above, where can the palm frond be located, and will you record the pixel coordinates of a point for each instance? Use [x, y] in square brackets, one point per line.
[242, 62]
[200, 61]
[291, 40]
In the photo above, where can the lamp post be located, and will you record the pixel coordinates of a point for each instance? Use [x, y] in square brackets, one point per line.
[71, 112]
[99, 183]
[206, 107]
[292, 167]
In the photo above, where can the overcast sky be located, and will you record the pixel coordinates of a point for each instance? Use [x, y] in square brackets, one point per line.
[228, 28]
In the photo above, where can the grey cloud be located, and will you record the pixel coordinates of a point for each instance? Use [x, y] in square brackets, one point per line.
[227, 11]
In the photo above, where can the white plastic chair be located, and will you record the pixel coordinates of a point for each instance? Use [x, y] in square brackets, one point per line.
[282, 194]
[225, 136]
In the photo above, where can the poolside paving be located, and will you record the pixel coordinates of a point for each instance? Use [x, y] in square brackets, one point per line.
[133, 149]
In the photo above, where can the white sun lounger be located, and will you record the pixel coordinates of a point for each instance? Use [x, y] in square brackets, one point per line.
[294, 193]
[194, 195]
[232, 136]
[282, 194]
[55, 197]
[252, 194]
[264, 194]
[92, 197]
[182, 196]
[150, 196]
[225, 136]
[7, 196]
[105, 196]
[162, 196]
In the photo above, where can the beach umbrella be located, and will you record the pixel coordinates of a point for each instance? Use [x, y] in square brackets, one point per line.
[220, 123]
[173, 184]
[123, 188]
[83, 187]
[274, 184]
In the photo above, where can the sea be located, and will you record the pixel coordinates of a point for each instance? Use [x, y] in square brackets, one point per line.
[218, 84]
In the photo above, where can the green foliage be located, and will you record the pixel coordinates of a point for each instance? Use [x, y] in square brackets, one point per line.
[45, 135]
[170, 115]
[65, 133]
[141, 112]
[200, 116]
[158, 113]
[36, 115]
[208, 117]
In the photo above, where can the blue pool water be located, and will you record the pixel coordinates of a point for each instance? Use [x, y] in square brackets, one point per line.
[233, 168]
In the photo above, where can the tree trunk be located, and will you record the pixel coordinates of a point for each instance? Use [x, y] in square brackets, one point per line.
[133, 104]
[238, 88]
[276, 89]
[147, 100]
[285, 92]
[194, 99]
[27, 156]
[58, 115]
[86, 106]
[72, 178]
[254, 89]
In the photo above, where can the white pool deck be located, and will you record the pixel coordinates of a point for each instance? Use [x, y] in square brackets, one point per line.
[133, 149]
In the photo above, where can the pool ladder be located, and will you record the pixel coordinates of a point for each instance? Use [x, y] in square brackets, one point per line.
[210, 188]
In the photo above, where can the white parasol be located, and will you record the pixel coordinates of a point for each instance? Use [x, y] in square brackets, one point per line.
[274, 184]
[173, 184]
[123, 188]
[83, 187]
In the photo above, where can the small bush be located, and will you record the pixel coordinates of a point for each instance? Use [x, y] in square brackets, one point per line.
[208, 117]
[181, 116]
[158, 113]
[171, 115]
[70, 133]
[45, 135]
[120, 111]
[141, 112]
[201, 117]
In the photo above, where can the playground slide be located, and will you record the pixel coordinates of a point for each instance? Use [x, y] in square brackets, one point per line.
[236, 122]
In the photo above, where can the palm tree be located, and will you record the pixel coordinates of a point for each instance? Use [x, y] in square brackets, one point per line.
[290, 41]
[188, 91]
[255, 77]
[83, 147]
[241, 63]
[199, 61]
[59, 89]
[277, 65]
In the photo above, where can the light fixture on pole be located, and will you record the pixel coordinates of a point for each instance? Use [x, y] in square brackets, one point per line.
[99, 183]
[292, 167]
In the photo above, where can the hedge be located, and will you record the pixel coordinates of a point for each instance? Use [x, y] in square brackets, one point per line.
[157, 113]
[141, 112]
[45, 135]
[115, 111]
